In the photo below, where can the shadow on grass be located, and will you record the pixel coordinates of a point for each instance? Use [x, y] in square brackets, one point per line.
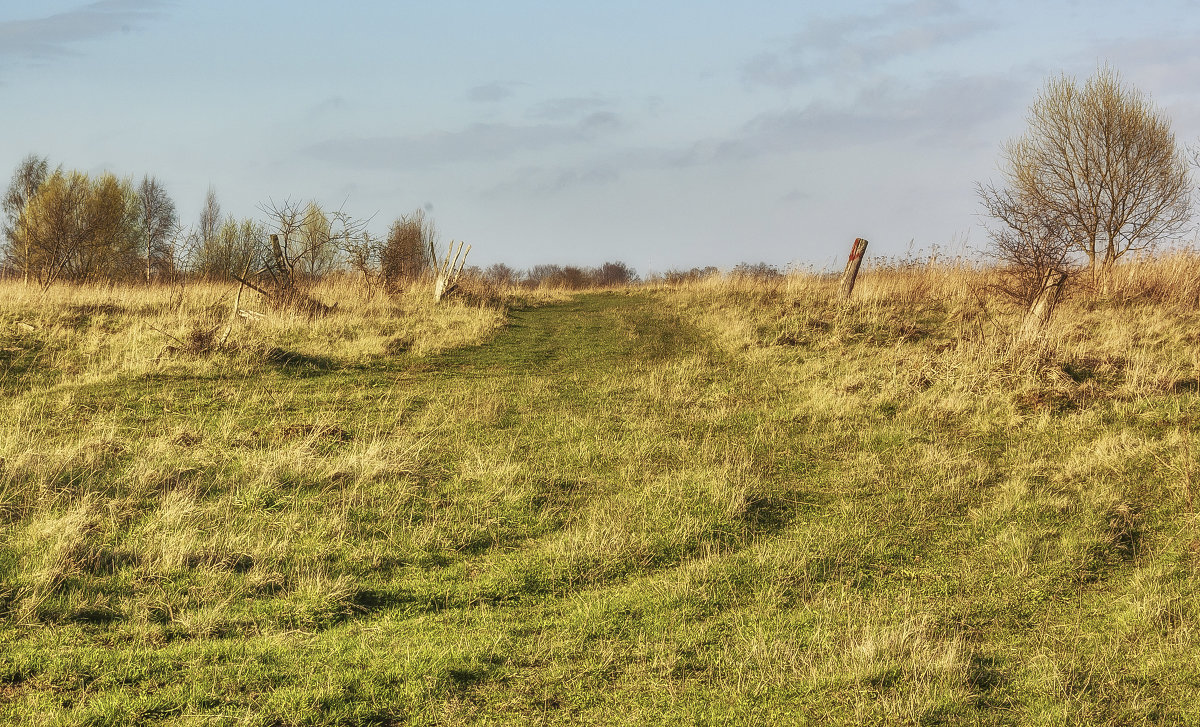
[372, 600]
[20, 365]
[300, 362]
[987, 675]
[767, 515]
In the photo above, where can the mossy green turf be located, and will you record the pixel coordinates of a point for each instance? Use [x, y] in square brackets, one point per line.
[601, 515]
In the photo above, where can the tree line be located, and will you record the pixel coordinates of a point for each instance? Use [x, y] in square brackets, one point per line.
[68, 226]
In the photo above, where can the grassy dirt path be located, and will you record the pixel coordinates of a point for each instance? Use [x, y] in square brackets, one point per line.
[590, 332]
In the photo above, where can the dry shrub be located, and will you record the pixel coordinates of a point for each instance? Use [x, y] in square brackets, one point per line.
[475, 290]
[294, 299]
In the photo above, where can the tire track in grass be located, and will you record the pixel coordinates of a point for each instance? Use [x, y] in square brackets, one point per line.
[584, 384]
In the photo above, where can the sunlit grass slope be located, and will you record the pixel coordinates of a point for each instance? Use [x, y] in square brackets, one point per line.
[730, 502]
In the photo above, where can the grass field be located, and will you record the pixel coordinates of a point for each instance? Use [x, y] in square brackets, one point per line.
[731, 502]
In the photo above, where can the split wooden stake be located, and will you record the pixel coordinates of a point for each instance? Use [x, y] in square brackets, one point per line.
[857, 251]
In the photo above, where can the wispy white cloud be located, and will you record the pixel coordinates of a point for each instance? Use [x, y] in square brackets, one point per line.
[493, 91]
[481, 143]
[1162, 61]
[1166, 67]
[55, 35]
[555, 109]
[541, 180]
[951, 113]
[947, 113]
[848, 43]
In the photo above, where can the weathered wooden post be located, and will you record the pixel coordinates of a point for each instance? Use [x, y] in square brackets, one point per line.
[282, 264]
[1043, 304]
[449, 270]
[857, 251]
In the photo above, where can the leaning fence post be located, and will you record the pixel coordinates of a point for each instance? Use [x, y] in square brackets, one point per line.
[1043, 304]
[856, 255]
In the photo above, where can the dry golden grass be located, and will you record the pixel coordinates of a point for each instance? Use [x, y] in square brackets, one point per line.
[732, 500]
[98, 330]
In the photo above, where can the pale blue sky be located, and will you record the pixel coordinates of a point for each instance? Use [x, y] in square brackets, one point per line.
[666, 134]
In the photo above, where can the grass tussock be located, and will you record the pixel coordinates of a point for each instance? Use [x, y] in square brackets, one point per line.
[732, 500]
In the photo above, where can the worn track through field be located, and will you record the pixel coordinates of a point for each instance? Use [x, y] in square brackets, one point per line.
[587, 332]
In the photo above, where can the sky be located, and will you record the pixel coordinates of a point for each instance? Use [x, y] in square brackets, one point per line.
[665, 135]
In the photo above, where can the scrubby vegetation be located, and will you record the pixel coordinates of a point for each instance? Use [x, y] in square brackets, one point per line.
[66, 226]
[725, 500]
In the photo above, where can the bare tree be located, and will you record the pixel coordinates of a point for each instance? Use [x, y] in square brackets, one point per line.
[207, 253]
[306, 240]
[1097, 169]
[210, 215]
[28, 176]
[614, 274]
[501, 275]
[284, 222]
[158, 221]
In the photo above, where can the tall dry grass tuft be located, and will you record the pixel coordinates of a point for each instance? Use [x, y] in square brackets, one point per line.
[1169, 278]
[55, 548]
[909, 281]
[1172, 279]
[947, 325]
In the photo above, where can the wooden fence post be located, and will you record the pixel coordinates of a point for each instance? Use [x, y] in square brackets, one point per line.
[282, 263]
[856, 255]
[1043, 305]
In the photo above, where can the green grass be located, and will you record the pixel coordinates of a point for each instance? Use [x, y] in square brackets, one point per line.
[704, 506]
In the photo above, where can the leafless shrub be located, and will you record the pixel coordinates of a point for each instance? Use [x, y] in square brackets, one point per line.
[158, 223]
[761, 272]
[680, 277]
[363, 254]
[304, 244]
[1029, 243]
[572, 277]
[501, 275]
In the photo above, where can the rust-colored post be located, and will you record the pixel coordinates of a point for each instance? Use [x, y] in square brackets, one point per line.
[856, 256]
